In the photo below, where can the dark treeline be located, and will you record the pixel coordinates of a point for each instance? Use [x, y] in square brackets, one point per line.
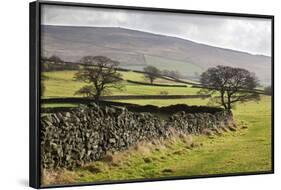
[54, 63]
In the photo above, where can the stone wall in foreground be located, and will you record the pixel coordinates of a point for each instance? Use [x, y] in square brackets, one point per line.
[71, 139]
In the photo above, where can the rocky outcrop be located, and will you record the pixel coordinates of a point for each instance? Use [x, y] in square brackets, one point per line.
[71, 139]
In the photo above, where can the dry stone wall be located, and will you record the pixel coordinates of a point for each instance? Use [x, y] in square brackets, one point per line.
[71, 139]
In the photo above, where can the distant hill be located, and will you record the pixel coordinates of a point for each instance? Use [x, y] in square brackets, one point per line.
[136, 49]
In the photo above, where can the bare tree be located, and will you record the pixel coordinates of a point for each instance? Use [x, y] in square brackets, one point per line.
[101, 75]
[233, 84]
[151, 73]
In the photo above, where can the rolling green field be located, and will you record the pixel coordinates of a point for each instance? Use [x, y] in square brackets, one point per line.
[62, 84]
[246, 150]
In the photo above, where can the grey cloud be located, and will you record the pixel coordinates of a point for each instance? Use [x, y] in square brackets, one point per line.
[245, 34]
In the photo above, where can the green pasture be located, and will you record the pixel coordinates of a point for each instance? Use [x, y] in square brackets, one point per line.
[55, 105]
[62, 84]
[167, 102]
[139, 77]
[246, 150]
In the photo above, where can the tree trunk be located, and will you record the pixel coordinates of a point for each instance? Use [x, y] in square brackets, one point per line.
[228, 101]
[222, 100]
[97, 96]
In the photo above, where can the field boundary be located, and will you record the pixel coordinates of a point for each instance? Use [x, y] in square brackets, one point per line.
[129, 97]
[156, 84]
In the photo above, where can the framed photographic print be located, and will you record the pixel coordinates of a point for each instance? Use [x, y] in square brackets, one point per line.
[132, 94]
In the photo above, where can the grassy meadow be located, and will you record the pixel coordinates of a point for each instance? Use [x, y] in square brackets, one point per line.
[246, 150]
[62, 84]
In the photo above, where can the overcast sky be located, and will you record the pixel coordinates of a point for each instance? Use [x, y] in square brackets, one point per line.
[245, 34]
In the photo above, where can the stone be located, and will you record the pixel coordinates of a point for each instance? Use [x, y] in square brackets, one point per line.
[71, 139]
[112, 140]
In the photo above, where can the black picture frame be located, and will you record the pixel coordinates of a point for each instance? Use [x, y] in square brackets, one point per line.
[35, 46]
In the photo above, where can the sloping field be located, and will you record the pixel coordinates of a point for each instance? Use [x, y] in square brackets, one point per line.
[185, 68]
[62, 84]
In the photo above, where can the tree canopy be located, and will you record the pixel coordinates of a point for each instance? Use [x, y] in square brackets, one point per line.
[101, 75]
[151, 73]
[232, 84]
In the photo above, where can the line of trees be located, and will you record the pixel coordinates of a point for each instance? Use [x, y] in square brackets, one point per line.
[55, 63]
